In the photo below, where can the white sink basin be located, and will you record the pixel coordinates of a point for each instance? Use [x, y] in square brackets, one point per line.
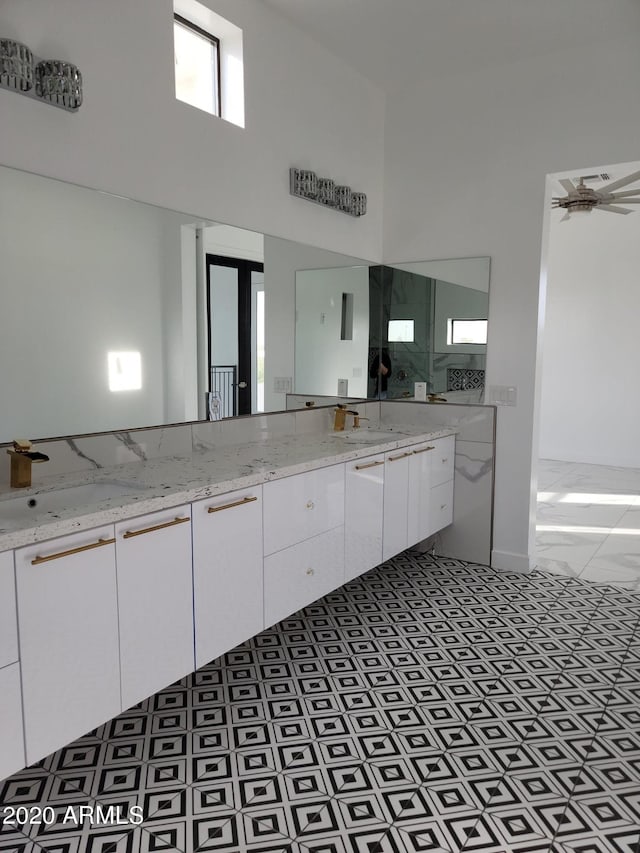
[364, 434]
[19, 508]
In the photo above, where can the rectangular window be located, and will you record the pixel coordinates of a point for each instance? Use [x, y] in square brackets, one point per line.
[400, 331]
[466, 331]
[197, 63]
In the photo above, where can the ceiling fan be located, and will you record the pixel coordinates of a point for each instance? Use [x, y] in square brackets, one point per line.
[583, 198]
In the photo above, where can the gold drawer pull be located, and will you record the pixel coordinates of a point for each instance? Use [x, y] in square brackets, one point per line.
[37, 560]
[402, 456]
[241, 502]
[368, 465]
[424, 449]
[310, 571]
[130, 533]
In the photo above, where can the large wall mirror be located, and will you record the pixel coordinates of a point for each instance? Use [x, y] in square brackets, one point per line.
[118, 314]
[374, 331]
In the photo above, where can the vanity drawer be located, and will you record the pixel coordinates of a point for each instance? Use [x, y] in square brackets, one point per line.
[299, 507]
[8, 628]
[299, 575]
[441, 506]
[443, 459]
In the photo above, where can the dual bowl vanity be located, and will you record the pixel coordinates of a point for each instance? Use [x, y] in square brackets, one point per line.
[115, 585]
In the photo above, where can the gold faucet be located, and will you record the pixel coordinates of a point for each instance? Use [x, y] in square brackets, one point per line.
[340, 418]
[436, 398]
[22, 457]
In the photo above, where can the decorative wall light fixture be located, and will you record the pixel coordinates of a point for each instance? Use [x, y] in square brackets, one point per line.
[57, 83]
[307, 185]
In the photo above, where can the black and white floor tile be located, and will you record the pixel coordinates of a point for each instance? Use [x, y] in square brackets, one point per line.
[432, 705]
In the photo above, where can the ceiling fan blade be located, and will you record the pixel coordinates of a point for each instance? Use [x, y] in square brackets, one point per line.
[566, 184]
[625, 200]
[625, 193]
[621, 182]
[611, 208]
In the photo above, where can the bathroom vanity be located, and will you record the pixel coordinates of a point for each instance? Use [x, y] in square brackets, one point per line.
[118, 596]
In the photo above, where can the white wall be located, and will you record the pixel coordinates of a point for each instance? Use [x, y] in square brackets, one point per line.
[465, 166]
[132, 137]
[321, 357]
[590, 360]
[84, 274]
[282, 258]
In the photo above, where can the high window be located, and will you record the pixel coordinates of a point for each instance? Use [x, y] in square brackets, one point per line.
[209, 65]
[197, 59]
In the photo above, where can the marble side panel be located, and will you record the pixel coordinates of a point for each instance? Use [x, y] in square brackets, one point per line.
[469, 537]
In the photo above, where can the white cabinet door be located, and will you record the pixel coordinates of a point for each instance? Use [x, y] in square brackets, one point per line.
[363, 509]
[155, 601]
[396, 502]
[420, 478]
[297, 576]
[298, 507]
[11, 732]
[227, 571]
[68, 620]
[8, 626]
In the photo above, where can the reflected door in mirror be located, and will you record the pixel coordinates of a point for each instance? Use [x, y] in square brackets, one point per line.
[235, 316]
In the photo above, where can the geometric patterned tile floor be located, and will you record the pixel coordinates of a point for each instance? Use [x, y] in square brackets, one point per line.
[431, 705]
[588, 522]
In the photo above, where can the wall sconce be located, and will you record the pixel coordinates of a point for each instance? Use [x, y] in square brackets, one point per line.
[307, 185]
[57, 83]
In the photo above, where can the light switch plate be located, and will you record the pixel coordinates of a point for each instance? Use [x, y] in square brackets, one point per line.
[502, 395]
[282, 384]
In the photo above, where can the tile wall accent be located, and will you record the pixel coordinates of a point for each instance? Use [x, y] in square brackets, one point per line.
[461, 378]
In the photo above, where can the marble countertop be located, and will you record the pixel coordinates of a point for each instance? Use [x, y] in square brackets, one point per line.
[171, 481]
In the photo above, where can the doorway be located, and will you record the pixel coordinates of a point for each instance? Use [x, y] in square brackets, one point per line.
[588, 510]
[235, 333]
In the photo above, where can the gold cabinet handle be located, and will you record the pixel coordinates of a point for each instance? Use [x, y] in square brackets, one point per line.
[423, 449]
[310, 505]
[368, 465]
[37, 560]
[131, 533]
[310, 571]
[402, 456]
[241, 502]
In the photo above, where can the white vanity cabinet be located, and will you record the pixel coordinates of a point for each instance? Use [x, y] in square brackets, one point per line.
[303, 540]
[227, 571]
[155, 601]
[11, 731]
[363, 515]
[418, 493]
[396, 502]
[68, 618]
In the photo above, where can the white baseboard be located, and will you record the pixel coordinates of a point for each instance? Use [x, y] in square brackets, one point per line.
[506, 561]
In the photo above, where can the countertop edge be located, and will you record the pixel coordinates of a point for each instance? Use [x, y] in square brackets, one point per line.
[132, 506]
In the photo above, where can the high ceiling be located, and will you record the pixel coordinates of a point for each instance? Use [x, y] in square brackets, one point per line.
[395, 42]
